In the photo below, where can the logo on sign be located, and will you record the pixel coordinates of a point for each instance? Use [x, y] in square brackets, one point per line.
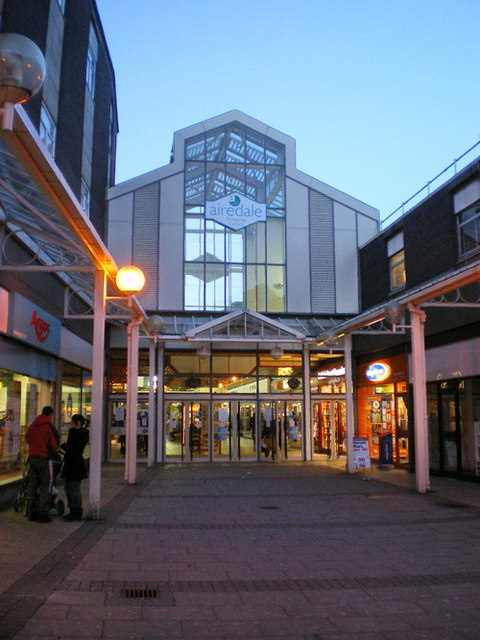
[235, 211]
[378, 372]
[42, 327]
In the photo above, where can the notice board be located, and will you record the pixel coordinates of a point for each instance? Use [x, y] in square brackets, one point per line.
[361, 454]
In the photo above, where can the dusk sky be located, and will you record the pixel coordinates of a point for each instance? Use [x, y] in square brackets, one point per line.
[380, 95]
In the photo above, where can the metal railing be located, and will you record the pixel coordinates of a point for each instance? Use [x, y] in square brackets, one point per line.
[420, 194]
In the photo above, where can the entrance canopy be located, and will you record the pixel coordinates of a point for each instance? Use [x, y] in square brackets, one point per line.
[45, 229]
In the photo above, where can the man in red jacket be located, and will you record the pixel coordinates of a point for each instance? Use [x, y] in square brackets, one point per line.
[41, 443]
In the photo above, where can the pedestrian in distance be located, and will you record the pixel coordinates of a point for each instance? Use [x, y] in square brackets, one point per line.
[74, 467]
[41, 441]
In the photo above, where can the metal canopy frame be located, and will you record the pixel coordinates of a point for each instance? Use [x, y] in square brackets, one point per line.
[40, 212]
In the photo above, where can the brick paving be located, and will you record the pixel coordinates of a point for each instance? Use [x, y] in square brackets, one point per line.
[263, 551]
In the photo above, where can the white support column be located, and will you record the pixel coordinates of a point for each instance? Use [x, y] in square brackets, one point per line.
[160, 398]
[96, 418]
[349, 400]
[307, 409]
[422, 474]
[132, 401]
[152, 413]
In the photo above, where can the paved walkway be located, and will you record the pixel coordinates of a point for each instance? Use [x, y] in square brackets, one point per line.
[250, 552]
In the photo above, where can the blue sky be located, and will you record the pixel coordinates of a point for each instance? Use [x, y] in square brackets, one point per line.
[380, 95]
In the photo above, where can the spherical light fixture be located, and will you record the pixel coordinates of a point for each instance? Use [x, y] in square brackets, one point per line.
[130, 279]
[154, 325]
[276, 352]
[204, 351]
[329, 338]
[22, 68]
[393, 312]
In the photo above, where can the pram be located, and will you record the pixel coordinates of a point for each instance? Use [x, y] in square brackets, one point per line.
[20, 502]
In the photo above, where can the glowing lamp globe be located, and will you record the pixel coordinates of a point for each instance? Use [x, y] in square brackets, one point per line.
[130, 279]
[22, 68]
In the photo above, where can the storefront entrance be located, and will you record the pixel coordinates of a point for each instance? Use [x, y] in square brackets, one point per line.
[329, 427]
[233, 430]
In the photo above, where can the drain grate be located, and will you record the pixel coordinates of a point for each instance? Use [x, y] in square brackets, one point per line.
[139, 593]
[269, 507]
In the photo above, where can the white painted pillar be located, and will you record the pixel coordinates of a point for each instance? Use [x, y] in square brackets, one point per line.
[422, 473]
[152, 413]
[96, 417]
[307, 409]
[132, 395]
[349, 401]
[160, 398]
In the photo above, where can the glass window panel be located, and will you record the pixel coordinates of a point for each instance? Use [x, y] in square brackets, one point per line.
[194, 238]
[469, 236]
[256, 287]
[235, 286]
[235, 178]
[234, 363]
[255, 242]
[235, 244]
[195, 148]
[255, 147]
[276, 240]
[235, 151]
[195, 209]
[214, 287]
[215, 181]
[274, 178]
[397, 270]
[194, 183]
[255, 186]
[215, 241]
[275, 213]
[215, 145]
[194, 289]
[276, 288]
[274, 152]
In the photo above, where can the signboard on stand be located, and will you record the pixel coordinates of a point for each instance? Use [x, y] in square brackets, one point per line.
[361, 454]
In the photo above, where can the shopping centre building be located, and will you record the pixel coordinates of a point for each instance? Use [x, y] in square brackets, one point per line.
[280, 318]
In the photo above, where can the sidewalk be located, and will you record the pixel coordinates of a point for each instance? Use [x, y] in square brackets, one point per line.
[297, 551]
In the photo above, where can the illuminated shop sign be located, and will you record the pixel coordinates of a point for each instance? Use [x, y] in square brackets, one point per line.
[378, 372]
[32, 324]
[235, 211]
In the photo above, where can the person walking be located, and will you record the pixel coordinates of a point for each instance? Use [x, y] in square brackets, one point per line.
[42, 442]
[74, 467]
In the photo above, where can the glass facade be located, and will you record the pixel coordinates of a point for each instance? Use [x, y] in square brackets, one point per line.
[228, 269]
[21, 400]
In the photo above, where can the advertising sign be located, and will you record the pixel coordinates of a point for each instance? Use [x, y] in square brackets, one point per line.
[34, 325]
[235, 211]
[361, 454]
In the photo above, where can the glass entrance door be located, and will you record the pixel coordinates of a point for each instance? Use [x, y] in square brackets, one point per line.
[329, 428]
[234, 430]
[280, 430]
[187, 430]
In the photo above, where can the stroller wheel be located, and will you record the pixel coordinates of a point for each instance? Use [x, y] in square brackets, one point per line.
[60, 507]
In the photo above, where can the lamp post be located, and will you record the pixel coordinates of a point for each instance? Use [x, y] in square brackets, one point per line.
[22, 72]
[131, 280]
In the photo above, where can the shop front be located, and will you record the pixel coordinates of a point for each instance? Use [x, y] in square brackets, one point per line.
[382, 409]
[235, 405]
[32, 376]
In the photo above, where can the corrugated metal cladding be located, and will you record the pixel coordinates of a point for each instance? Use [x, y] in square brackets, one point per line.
[322, 253]
[145, 240]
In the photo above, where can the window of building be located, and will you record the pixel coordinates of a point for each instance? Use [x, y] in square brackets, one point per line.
[229, 269]
[85, 197]
[91, 70]
[396, 260]
[48, 130]
[469, 230]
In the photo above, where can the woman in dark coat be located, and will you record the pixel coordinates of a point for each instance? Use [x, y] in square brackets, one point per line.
[74, 467]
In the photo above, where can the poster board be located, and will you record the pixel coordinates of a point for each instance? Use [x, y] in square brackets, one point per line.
[361, 454]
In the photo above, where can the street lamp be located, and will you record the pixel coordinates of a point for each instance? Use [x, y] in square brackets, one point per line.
[22, 68]
[131, 280]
